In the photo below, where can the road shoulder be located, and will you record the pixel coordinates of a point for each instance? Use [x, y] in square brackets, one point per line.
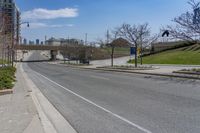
[52, 120]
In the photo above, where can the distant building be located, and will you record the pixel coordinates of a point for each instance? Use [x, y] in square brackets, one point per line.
[20, 40]
[42, 43]
[58, 42]
[53, 42]
[24, 41]
[31, 43]
[120, 42]
[37, 41]
[71, 42]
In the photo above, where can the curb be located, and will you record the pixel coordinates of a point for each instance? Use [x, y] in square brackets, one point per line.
[155, 74]
[7, 91]
[52, 121]
[143, 73]
[185, 72]
[173, 65]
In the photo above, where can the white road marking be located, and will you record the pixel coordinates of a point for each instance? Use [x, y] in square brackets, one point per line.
[98, 77]
[102, 108]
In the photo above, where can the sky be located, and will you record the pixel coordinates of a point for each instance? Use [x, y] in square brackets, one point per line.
[75, 18]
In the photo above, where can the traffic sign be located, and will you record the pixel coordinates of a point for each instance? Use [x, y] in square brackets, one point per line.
[132, 50]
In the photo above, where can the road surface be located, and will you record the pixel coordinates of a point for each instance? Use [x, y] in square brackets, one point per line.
[108, 102]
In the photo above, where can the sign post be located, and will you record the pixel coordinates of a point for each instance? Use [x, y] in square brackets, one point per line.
[132, 51]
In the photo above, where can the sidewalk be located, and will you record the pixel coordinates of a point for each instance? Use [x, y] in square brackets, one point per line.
[27, 110]
[160, 69]
[18, 113]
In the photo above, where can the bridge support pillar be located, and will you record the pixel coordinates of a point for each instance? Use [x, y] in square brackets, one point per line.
[53, 54]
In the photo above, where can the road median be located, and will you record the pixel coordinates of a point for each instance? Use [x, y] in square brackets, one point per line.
[174, 75]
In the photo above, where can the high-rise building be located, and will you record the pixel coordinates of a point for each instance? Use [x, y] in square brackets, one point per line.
[25, 41]
[10, 27]
[11, 18]
[37, 41]
[31, 42]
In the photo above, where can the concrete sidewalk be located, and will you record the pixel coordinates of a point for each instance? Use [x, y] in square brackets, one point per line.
[18, 113]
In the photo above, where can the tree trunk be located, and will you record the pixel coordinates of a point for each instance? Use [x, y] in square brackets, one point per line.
[135, 55]
[112, 56]
[141, 58]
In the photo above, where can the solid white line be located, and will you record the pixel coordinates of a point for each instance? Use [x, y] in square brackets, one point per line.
[102, 108]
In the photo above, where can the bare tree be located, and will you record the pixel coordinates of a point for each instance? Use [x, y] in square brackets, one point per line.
[194, 4]
[109, 43]
[112, 44]
[135, 34]
[187, 24]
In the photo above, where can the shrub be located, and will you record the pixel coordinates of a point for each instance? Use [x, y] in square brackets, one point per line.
[7, 77]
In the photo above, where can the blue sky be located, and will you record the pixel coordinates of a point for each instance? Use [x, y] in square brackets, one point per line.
[74, 18]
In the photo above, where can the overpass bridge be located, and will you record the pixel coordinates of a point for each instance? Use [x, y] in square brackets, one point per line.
[39, 47]
[53, 49]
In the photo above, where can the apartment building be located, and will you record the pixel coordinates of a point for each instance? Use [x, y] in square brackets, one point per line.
[9, 29]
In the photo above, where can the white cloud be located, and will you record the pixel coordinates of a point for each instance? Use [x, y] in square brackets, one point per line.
[60, 26]
[37, 25]
[41, 13]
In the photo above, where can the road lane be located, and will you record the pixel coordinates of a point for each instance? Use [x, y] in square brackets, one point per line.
[156, 104]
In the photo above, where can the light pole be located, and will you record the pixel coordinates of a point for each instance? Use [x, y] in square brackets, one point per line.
[17, 39]
[18, 29]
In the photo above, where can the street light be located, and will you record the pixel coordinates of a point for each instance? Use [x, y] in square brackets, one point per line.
[19, 24]
[28, 25]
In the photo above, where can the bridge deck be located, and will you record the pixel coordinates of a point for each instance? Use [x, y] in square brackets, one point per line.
[40, 47]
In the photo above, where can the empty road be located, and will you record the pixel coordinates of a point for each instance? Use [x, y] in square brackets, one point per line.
[108, 102]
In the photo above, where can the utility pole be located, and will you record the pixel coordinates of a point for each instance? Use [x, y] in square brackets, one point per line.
[141, 51]
[107, 36]
[68, 40]
[86, 38]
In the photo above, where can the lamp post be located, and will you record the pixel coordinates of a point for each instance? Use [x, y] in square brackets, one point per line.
[17, 39]
[18, 28]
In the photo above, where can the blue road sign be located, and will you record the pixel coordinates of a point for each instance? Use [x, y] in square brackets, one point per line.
[132, 50]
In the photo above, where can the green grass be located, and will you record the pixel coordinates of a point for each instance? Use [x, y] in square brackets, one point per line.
[3, 61]
[7, 77]
[184, 56]
[121, 51]
[104, 53]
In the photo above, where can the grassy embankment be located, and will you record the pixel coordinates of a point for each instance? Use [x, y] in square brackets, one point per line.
[104, 53]
[182, 56]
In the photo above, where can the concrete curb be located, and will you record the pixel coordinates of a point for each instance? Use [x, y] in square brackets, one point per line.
[146, 73]
[52, 121]
[172, 65]
[7, 91]
[185, 72]
[155, 74]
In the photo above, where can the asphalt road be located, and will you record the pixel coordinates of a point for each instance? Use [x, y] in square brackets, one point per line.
[109, 102]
